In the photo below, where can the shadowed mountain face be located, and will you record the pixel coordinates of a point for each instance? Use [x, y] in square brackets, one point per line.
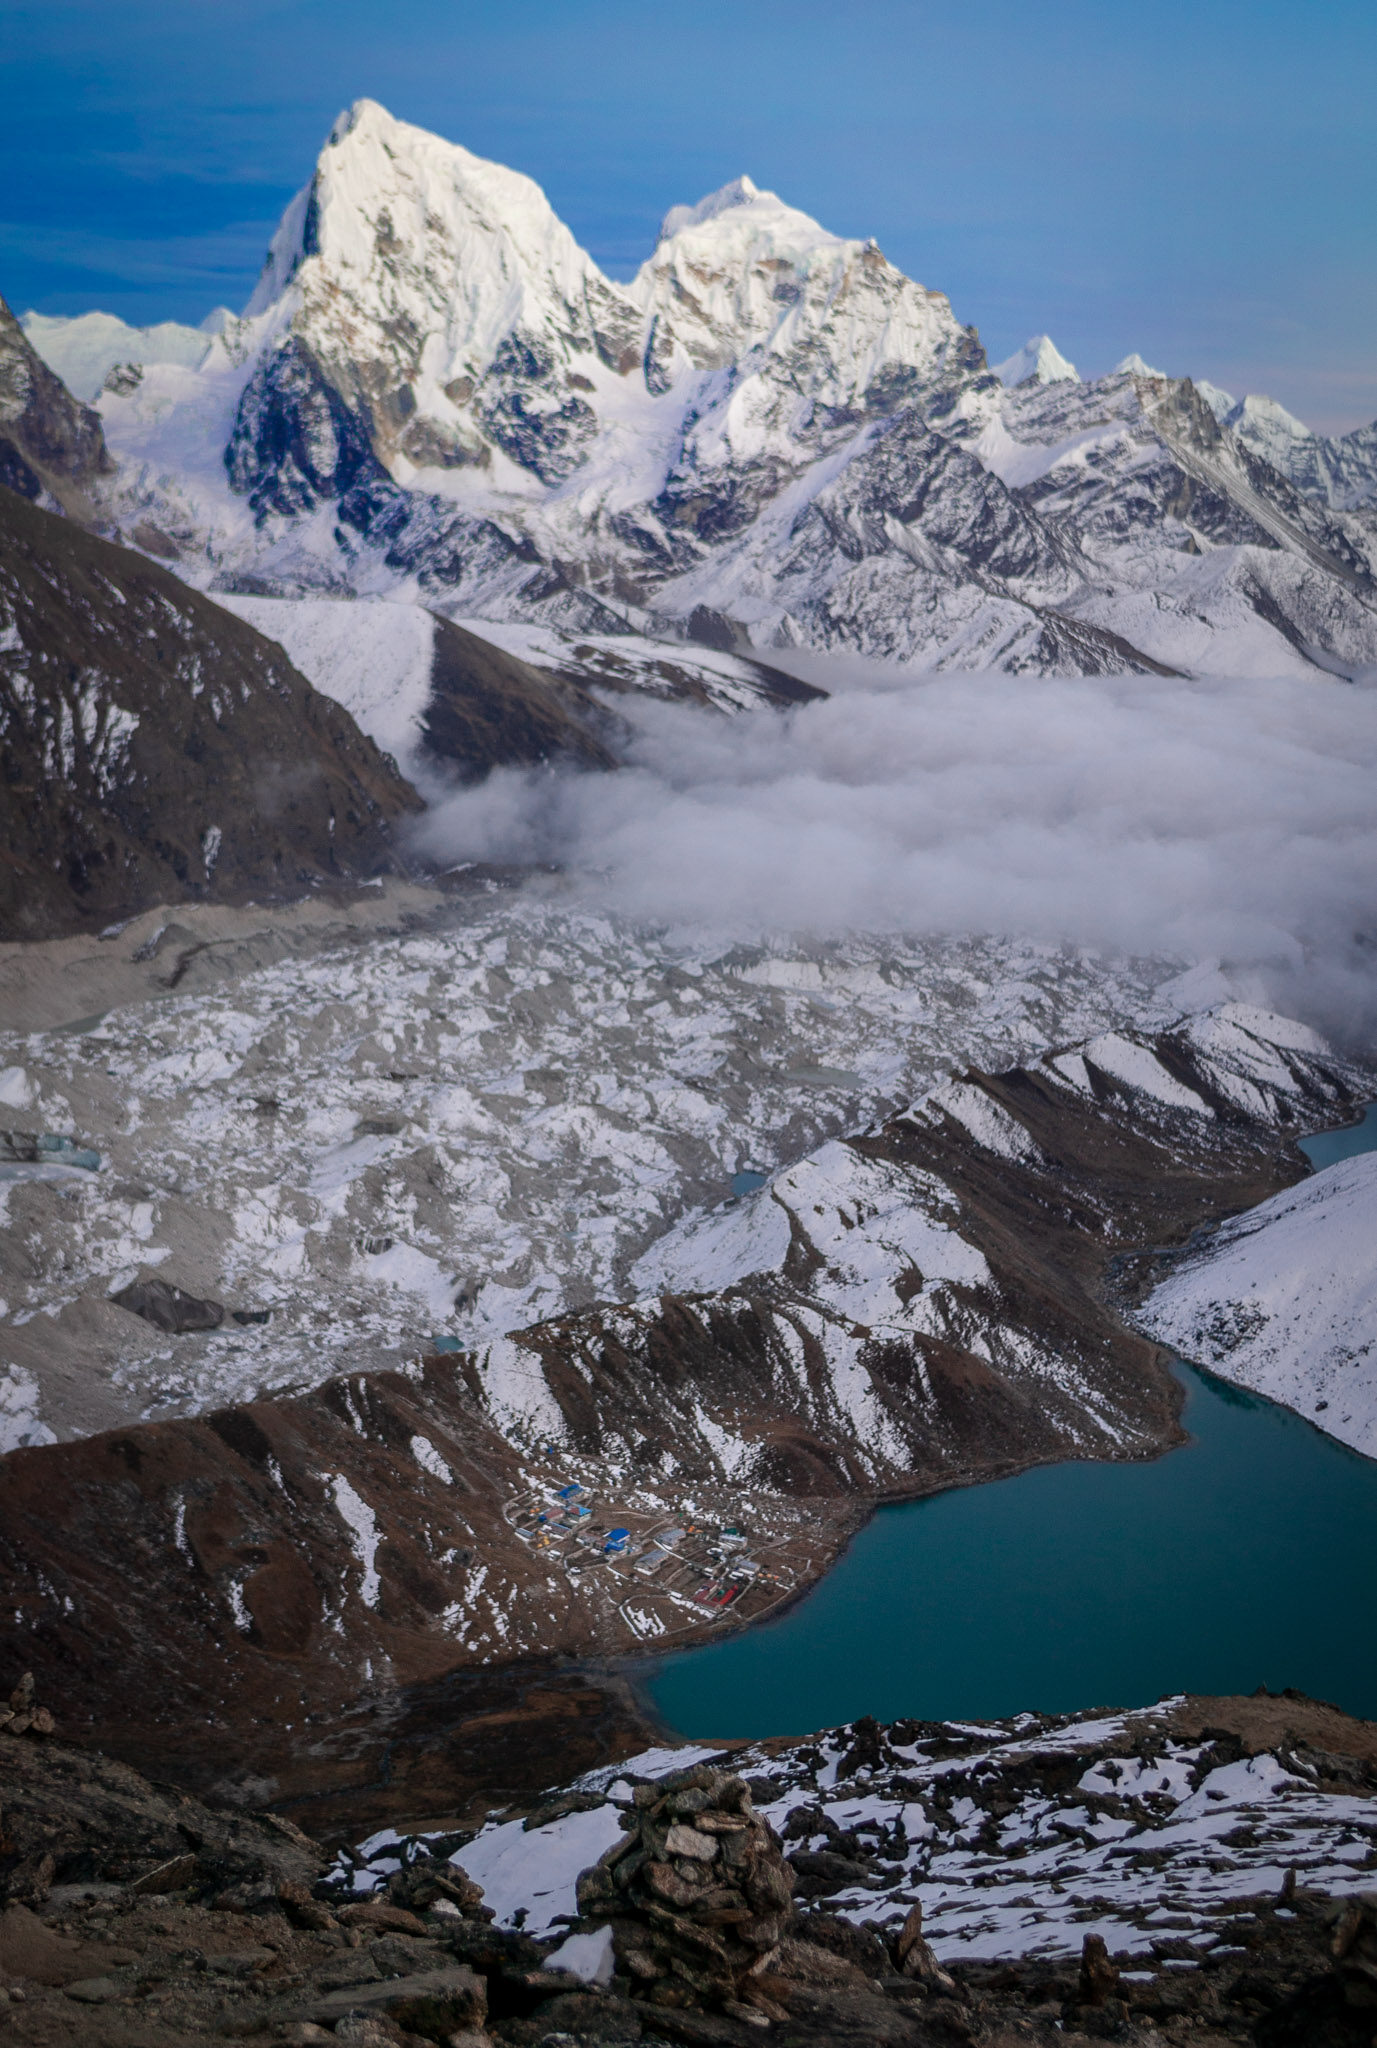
[155, 749]
[488, 709]
[49, 443]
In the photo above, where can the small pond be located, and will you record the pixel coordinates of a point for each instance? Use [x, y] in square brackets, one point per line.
[1331, 1146]
[1237, 1561]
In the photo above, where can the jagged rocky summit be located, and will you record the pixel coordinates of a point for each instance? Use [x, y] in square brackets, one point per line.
[434, 390]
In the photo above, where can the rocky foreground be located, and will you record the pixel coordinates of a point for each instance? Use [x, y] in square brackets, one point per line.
[1197, 1872]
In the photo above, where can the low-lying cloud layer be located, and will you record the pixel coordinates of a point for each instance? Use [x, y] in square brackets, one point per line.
[1210, 820]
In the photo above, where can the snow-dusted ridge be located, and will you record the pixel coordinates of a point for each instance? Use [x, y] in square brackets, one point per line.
[859, 1248]
[1284, 1300]
[84, 350]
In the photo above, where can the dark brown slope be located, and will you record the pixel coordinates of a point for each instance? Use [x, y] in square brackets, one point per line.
[154, 749]
[488, 709]
[49, 442]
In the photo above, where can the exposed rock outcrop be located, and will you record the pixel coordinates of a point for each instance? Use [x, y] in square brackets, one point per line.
[488, 709]
[50, 445]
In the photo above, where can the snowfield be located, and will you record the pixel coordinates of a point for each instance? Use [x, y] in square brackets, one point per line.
[372, 657]
[1284, 1300]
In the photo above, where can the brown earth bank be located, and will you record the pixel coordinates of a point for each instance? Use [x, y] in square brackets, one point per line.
[135, 1916]
[53, 984]
[306, 1597]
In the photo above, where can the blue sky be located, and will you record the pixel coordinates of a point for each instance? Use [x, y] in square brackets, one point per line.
[1196, 181]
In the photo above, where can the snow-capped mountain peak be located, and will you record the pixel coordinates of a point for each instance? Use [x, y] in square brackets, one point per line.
[1220, 402]
[743, 271]
[772, 431]
[439, 298]
[424, 310]
[1135, 366]
[393, 211]
[740, 192]
[1039, 361]
[1267, 422]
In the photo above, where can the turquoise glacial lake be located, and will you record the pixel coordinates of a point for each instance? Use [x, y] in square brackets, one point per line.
[1236, 1561]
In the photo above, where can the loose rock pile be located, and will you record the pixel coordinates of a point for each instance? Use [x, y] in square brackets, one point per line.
[23, 1716]
[697, 1895]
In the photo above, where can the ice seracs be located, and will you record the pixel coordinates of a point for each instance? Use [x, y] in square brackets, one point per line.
[1039, 361]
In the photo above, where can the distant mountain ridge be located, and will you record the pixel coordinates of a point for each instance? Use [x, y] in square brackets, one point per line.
[51, 447]
[85, 350]
[434, 391]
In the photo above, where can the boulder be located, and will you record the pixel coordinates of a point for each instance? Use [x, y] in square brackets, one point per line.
[168, 1307]
[915, 1959]
[1354, 1948]
[435, 2003]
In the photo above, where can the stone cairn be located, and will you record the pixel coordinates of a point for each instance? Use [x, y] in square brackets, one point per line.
[697, 1894]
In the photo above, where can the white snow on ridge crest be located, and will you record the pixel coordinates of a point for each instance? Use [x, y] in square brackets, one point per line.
[85, 349]
[740, 192]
